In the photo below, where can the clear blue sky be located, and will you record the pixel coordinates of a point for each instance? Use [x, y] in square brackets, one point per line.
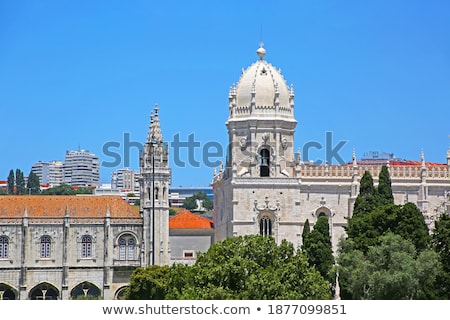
[84, 73]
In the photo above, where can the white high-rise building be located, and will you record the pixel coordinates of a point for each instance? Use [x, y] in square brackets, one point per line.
[125, 180]
[49, 172]
[81, 169]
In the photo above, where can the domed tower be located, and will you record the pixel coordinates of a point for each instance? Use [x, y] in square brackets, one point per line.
[261, 123]
[256, 193]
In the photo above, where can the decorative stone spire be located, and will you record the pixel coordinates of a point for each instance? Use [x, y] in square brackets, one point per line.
[154, 132]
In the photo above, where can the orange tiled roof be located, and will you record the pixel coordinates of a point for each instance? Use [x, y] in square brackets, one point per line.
[56, 206]
[188, 220]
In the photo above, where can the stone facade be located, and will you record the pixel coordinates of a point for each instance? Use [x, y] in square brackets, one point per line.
[265, 187]
[65, 247]
[72, 247]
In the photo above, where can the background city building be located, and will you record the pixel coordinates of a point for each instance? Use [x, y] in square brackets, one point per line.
[81, 169]
[49, 173]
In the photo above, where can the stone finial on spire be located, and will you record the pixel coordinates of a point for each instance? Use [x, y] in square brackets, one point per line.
[261, 52]
[354, 158]
[422, 158]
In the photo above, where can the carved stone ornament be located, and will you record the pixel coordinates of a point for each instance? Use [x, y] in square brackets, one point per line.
[266, 206]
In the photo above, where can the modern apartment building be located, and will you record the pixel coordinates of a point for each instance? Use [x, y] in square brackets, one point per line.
[81, 169]
[51, 173]
[125, 180]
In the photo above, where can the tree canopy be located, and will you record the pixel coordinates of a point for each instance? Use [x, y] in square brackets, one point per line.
[190, 203]
[33, 185]
[318, 249]
[390, 270]
[249, 267]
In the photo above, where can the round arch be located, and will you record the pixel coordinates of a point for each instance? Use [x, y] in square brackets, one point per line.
[323, 211]
[120, 293]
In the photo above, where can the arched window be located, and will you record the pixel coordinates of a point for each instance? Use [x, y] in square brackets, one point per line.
[156, 193]
[265, 226]
[4, 246]
[46, 246]
[126, 247]
[86, 246]
[264, 163]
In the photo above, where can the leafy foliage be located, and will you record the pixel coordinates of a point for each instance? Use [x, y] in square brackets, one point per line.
[366, 200]
[248, 267]
[11, 182]
[441, 243]
[148, 283]
[384, 188]
[20, 182]
[318, 249]
[190, 203]
[390, 270]
[63, 189]
[33, 185]
[306, 231]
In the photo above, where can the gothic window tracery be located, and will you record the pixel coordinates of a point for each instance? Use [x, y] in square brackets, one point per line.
[127, 245]
[4, 247]
[46, 245]
[265, 226]
[86, 246]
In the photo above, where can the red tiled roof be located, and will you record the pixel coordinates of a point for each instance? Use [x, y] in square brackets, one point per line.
[188, 220]
[56, 206]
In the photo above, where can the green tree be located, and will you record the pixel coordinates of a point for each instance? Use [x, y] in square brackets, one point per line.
[384, 188]
[20, 183]
[63, 189]
[148, 283]
[306, 231]
[318, 248]
[441, 244]
[33, 185]
[11, 182]
[406, 221]
[249, 267]
[366, 200]
[84, 190]
[391, 270]
[190, 203]
[254, 267]
[410, 224]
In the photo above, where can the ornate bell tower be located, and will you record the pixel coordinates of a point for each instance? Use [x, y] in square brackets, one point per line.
[256, 192]
[154, 191]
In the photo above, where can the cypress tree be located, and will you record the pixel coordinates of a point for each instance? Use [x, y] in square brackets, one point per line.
[306, 231]
[318, 248]
[11, 182]
[20, 182]
[33, 184]
[384, 189]
[365, 201]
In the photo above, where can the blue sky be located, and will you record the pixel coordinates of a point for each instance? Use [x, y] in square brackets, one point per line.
[80, 74]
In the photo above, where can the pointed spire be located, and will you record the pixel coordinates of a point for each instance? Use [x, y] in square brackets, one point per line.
[154, 131]
[355, 163]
